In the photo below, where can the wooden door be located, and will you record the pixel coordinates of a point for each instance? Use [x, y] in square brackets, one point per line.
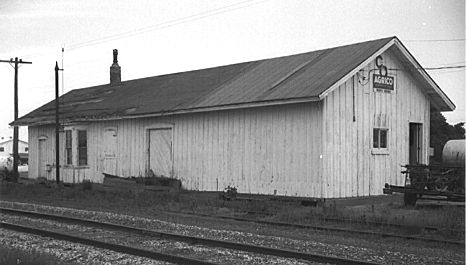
[415, 143]
[160, 152]
[42, 161]
[110, 148]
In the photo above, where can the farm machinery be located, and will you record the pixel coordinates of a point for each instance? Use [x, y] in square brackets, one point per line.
[440, 182]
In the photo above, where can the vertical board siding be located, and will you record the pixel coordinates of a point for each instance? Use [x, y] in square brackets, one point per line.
[272, 150]
[309, 149]
[351, 169]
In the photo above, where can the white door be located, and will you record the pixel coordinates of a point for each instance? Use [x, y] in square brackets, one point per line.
[160, 151]
[110, 151]
[42, 160]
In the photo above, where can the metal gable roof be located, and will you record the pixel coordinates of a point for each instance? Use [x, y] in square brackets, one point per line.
[11, 140]
[302, 76]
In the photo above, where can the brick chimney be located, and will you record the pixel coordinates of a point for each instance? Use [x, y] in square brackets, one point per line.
[115, 70]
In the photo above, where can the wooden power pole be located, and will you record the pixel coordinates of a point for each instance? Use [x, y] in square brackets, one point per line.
[57, 127]
[16, 64]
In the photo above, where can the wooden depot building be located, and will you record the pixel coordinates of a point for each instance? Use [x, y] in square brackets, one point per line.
[331, 123]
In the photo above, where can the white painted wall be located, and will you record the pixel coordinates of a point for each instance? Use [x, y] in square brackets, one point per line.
[269, 150]
[350, 166]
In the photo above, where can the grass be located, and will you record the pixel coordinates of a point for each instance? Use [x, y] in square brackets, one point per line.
[11, 256]
[145, 202]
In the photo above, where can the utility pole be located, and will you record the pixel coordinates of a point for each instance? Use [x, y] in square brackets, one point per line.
[57, 127]
[16, 63]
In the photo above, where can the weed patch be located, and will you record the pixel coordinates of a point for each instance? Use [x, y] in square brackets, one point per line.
[11, 256]
[147, 202]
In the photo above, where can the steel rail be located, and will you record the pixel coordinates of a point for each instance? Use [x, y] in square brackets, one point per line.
[325, 228]
[105, 245]
[379, 224]
[284, 253]
[393, 225]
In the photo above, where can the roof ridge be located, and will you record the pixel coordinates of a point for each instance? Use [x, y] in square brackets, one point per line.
[280, 80]
[226, 65]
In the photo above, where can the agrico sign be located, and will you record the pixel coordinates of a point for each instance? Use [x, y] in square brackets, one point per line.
[383, 82]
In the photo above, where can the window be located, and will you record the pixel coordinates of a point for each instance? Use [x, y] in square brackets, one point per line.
[68, 148]
[380, 138]
[2, 149]
[26, 149]
[82, 148]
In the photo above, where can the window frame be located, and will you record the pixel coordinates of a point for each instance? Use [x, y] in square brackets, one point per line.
[81, 148]
[75, 148]
[377, 140]
[68, 148]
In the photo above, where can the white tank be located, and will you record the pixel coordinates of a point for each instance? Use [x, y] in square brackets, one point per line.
[453, 153]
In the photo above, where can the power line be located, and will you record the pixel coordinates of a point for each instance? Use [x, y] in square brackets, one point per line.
[459, 67]
[435, 40]
[166, 24]
[447, 72]
[159, 26]
[444, 67]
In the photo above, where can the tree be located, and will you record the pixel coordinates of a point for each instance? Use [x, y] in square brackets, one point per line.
[441, 132]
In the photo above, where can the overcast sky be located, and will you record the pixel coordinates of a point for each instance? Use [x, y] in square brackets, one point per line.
[158, 37]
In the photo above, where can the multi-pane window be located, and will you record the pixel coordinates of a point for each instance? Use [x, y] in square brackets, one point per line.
[82, 148]
[68, 147]
[380, 138]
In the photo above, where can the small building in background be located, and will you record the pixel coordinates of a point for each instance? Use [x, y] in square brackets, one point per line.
[6, 149]
[331, 123]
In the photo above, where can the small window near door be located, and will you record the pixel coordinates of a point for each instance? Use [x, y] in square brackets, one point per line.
[68, 148]
[380, 138]
[82, 148]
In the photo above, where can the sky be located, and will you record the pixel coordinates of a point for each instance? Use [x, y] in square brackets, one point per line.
[160, 37]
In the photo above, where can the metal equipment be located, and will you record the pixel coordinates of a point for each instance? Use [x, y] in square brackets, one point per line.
[445, 182]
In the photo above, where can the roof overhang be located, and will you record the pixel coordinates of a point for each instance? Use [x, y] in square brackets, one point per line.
[438, 98]
[174, 112]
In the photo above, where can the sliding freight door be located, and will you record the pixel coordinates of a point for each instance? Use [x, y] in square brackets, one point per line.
[160, 151]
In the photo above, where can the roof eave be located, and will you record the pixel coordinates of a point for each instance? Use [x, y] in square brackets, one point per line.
[357, 69]
[448, 104]
[177, 112]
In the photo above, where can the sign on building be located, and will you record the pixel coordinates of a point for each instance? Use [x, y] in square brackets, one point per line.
[383, 82]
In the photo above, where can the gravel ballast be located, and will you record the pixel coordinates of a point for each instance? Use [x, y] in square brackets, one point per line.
[211, 254]
[309, 246]
[70, 252]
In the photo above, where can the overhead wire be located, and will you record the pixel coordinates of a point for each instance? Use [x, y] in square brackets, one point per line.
[460, 67]
[159, 26]
[169, 23]
[444, 67]
[435, 40]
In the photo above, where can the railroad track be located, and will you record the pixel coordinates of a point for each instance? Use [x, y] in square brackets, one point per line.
[105, 245]
[283, 253]
[378, 224]
[394, 225]
[332, 228]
